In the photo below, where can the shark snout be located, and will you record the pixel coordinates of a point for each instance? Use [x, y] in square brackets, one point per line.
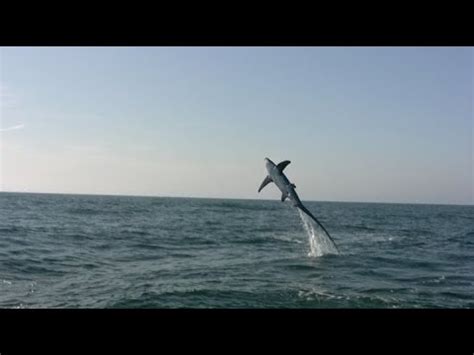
[269, 165]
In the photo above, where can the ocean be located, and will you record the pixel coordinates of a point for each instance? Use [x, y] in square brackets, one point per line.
[90, 251]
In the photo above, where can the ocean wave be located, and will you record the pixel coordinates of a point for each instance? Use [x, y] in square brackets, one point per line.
[359, 228]
[77, 236]
[188, 298]
[11, 229]
[330, 299]
[27, 267]
[252, 240]
[83, 211]
[469, 234]
[301, 267]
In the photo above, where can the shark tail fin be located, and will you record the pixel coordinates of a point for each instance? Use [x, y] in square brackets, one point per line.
[306, 211]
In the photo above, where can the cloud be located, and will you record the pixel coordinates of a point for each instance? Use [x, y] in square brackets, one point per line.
[20, 126]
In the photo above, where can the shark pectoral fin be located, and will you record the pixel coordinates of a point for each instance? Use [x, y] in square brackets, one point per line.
[283, 165]
[265, 182]
[283, 197]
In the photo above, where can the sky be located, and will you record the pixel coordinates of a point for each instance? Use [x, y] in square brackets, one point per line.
[369, 124]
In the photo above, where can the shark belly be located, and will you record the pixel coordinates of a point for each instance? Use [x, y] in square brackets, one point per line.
[281, 182]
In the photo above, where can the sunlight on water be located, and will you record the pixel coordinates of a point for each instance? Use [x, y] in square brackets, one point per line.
[319, 242]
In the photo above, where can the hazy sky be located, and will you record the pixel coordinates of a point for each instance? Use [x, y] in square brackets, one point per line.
[358, 124]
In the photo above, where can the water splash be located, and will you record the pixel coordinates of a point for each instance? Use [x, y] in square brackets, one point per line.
[319, 243]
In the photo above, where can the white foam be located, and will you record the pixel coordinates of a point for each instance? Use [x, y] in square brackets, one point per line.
[319, 242]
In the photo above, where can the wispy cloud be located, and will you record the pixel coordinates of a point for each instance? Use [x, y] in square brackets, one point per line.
[20, 126]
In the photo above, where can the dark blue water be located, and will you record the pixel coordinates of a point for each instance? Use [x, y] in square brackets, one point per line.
[80, 251]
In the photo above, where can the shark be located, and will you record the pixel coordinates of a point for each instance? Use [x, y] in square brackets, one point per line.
[276, 175]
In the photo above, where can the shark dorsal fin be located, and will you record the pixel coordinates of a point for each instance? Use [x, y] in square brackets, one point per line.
[283, 165]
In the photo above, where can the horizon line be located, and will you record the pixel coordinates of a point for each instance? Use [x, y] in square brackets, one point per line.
[231, 198]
